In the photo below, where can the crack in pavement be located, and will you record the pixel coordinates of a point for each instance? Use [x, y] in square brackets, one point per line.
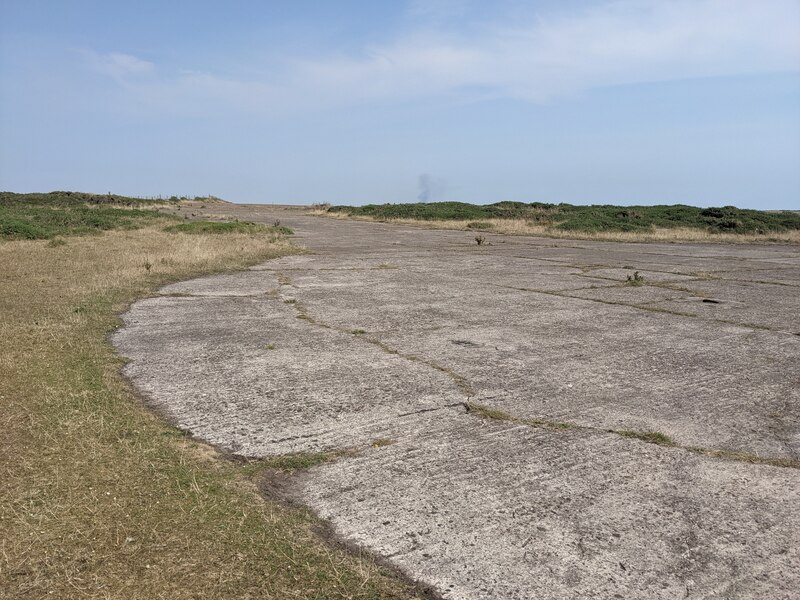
[493, 413]
[460, 381]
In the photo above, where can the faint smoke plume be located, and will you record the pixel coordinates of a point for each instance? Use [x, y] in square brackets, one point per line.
[430, 188]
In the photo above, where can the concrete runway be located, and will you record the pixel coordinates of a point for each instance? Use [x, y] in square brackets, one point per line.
[388, 340]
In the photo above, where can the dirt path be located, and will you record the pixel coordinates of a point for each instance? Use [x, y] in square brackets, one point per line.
[498, 397]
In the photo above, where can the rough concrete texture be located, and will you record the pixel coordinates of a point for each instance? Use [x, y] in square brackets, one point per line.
[388, 333]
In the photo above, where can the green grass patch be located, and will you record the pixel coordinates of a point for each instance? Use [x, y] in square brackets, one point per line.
[45, 216]
[651, 437]
[594, 218]
[213, 227]
[295, 461]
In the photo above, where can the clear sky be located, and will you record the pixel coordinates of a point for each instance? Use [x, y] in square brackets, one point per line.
[344, 101]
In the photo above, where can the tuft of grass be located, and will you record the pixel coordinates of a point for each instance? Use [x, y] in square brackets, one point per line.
[382, 442]
[479, 225]
[790, 463]
[295, 461]
[636, 279]
[487, 412]
[358, 331]
[206, 227]
[99, 497]
[479, 239]
[651, 437]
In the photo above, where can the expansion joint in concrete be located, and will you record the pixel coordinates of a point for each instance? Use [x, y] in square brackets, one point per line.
[303, 313]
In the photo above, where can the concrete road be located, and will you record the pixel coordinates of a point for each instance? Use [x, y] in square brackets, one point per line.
[501, 400]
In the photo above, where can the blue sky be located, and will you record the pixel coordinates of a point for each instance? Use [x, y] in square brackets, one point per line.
[624, 101]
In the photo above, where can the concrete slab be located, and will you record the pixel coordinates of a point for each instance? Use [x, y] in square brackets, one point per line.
[492, 510]
[764, 305]
[391, 332]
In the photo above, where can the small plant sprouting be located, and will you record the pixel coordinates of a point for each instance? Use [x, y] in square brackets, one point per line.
[290, 301]
[270, 346]
[635, 279]
[382, 442]
[479, 239]
[147, 265]
[358, 332]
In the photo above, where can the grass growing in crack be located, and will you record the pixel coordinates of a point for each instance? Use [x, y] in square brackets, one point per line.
[358, 331]
[99, 497]
[494, 414]
[651, 437]
[382, 442]
[791, 463]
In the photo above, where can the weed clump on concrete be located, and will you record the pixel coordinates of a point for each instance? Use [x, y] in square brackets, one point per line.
[479, 239]
[635, 279]
[651, 437]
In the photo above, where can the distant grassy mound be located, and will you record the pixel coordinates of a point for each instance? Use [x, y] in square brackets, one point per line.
[44, 216]
[595, 218]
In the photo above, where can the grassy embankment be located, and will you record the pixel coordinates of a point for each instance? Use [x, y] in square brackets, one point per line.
[99, 497]
[603, 222]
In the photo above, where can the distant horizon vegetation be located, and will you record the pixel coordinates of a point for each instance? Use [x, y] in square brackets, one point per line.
[45, 215]
[414, 201]
[589, 218]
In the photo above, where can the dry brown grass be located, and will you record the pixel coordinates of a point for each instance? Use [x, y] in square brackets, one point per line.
[525, 227]
[100, 498]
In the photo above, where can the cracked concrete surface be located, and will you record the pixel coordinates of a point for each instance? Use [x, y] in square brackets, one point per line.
[386, 332]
